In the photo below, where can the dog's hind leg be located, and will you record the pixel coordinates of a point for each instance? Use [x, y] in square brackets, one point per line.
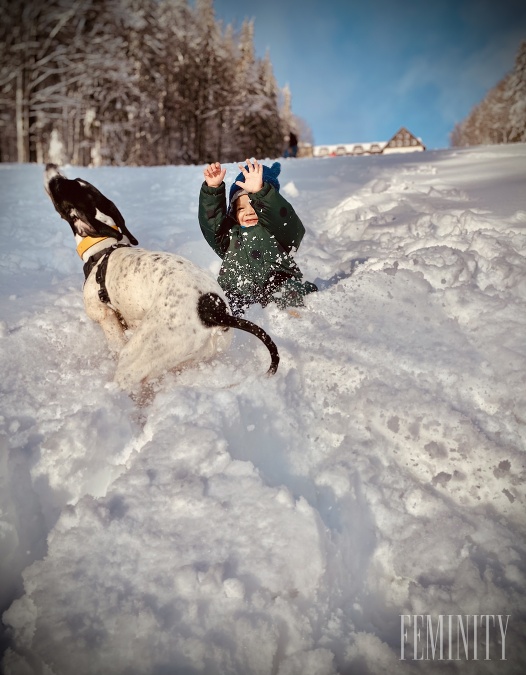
[155, 348]
[148, 353]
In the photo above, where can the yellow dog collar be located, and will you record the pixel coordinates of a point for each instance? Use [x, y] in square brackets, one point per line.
[87, 243]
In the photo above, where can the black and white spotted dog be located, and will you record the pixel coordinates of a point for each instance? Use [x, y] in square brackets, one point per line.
[175, 312]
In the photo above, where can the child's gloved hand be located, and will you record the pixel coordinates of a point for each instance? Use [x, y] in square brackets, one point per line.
[253, 174]
[214, 174]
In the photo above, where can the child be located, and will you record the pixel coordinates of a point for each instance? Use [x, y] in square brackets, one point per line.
[254, 237]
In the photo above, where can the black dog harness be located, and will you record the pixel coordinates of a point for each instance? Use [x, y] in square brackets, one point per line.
[101, 270]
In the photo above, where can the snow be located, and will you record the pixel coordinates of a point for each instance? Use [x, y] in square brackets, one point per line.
[248, 525]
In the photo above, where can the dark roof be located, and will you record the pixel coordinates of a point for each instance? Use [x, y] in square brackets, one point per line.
[405, 137]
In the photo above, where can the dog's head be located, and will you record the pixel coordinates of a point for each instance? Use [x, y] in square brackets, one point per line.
[75, 201]
[88, 212]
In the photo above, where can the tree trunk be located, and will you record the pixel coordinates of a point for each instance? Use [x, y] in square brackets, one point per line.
[21, 128]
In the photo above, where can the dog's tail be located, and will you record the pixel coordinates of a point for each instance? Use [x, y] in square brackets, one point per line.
[213, 311]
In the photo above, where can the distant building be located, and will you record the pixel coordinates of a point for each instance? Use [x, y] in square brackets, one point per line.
[402, 141]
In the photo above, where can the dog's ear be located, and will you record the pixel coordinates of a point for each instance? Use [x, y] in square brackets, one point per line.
[81, 227]
[85, 227]
[130, 236]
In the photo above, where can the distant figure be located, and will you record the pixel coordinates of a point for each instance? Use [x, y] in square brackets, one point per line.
[292, 150]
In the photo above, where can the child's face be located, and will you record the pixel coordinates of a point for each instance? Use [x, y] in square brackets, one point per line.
[245, 214]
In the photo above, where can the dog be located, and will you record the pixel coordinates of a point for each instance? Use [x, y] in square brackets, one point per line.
[159, 311]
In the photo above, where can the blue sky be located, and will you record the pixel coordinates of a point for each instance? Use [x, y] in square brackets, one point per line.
[359, 70]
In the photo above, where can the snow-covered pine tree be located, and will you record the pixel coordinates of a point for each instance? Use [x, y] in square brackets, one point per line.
[214, 85]
[138, 140]
[290, 121]
[516, 90]
[174, 25]
[501, 116]
[225, 145]
[243, 121]
[269, 133]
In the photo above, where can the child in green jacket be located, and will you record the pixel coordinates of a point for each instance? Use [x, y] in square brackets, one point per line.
[254, 237]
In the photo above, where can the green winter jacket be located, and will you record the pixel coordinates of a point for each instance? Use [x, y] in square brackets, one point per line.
[257, 266]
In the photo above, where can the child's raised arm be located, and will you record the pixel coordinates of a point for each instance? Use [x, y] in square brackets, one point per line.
[214, 174]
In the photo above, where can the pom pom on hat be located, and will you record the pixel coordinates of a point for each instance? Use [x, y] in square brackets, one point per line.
[270, 175]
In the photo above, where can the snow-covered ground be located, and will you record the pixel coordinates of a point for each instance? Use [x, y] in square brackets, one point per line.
[247, 526]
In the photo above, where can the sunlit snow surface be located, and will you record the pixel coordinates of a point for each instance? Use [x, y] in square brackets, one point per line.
[244, 525]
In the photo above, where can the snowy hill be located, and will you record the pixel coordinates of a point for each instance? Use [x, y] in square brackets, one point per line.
[246, 525]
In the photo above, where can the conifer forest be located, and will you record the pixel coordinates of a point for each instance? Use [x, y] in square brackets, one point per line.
[134, 82]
